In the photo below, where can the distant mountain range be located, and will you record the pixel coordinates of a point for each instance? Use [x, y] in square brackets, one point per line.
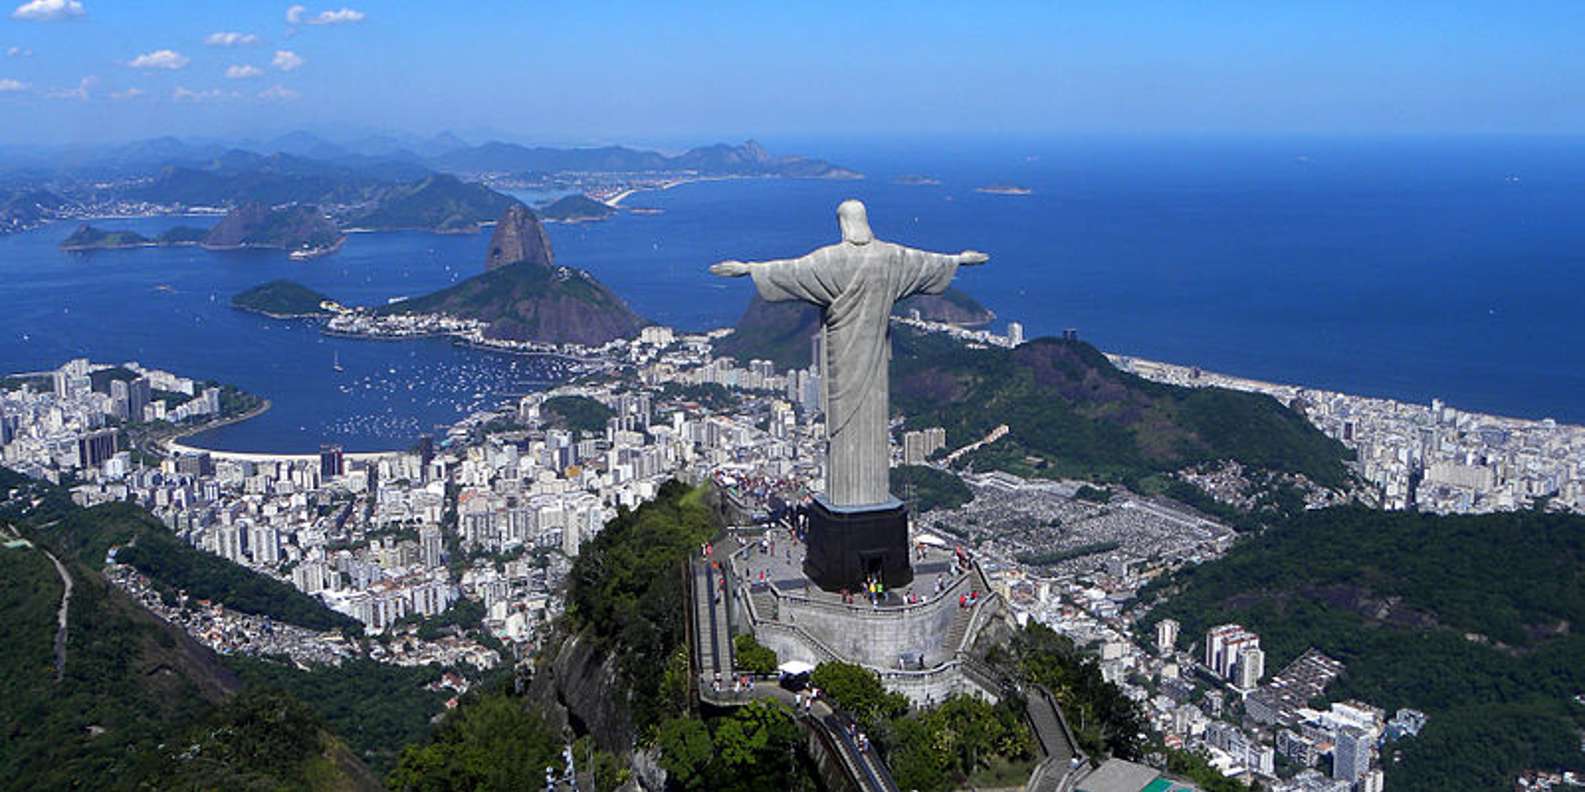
[748, 159]
[238, 176]
[377, 183]
[403, 158]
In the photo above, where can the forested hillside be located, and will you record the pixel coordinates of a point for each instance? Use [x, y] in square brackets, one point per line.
[1472, 619]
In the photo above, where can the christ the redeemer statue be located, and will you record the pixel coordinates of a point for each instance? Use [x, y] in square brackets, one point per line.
[855, 283]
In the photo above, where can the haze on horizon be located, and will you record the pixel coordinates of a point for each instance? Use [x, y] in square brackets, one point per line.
[103, 71]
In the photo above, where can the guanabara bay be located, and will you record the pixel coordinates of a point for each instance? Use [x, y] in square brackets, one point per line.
[822, 398]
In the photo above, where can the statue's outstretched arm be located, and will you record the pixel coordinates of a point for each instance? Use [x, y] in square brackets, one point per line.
[783, 279]
[925, 272]
[733, 268]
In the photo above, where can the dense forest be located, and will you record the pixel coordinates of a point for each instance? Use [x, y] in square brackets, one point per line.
[1468, 618]
[376, 708]
[1072, 414]
[924, 488]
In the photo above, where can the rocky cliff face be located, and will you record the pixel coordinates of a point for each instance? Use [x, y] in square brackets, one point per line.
[518, 238]
[578, 686]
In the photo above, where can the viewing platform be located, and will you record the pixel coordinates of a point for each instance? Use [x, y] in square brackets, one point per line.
[916, 638]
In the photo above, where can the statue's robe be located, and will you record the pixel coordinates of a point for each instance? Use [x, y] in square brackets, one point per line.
[855, 286]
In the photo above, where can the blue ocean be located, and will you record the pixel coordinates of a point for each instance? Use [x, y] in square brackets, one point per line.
[1407, 268]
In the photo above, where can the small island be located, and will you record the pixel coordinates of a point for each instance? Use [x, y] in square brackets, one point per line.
[87, 237]
[918, 181]
[284, 299]
[576, 209]
[1004, 189]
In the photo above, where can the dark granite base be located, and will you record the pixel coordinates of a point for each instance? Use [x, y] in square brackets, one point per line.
[846, 546]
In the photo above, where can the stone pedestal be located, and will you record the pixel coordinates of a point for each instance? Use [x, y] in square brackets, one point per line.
[846, 545]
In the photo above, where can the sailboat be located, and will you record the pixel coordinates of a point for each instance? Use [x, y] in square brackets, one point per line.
[336, 361]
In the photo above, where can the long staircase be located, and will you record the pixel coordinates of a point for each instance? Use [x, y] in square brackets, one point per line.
[1056, 741]
[712, 626]
[958, 629]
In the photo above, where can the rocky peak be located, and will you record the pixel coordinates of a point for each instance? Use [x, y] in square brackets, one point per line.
[754, 152]
[518, 237]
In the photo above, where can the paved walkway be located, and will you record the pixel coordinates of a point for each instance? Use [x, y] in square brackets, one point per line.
[777, 557]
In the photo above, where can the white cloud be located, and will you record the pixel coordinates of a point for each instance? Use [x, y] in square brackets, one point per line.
[340, 17]
[229, 39]
[160, 59]
[12, 86]
[286, 60]
[181, 94]
[18, 52]
[130, 93]
[80, 93]
[46, 10]
[299, 15]
[278, 93]
[243, 72]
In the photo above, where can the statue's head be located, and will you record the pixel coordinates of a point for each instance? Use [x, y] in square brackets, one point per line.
[855, 223]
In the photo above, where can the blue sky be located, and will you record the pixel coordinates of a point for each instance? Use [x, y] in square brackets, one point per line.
[656, 72]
